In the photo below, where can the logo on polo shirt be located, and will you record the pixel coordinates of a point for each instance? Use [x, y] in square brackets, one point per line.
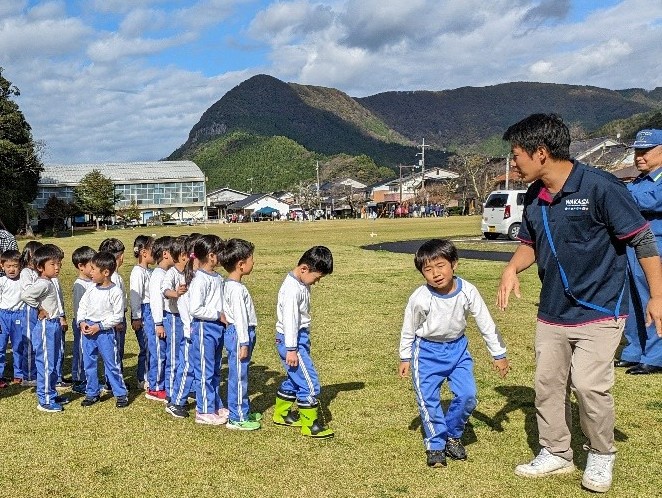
[576, 204]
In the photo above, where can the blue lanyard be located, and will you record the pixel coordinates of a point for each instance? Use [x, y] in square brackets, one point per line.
[564, 278]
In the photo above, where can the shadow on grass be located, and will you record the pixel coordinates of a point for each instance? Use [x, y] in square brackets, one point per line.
[329, 393]
[522, 398]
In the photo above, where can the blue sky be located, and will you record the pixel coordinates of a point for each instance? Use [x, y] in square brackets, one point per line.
[123, 80]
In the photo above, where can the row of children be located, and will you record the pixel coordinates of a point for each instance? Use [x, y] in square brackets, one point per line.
[183, 314]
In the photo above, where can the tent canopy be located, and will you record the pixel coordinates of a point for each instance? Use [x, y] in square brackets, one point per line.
[266, 210]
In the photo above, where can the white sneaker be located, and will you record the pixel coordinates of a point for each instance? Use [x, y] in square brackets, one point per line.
[224, 414]
[545, 464]
[599, 471]
[209, 419]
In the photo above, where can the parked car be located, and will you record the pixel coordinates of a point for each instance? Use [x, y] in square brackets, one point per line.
[502, 214]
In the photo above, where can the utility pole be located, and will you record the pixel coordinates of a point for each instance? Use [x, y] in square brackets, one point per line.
[421, 163]
[250, 180]
[317, 171]
[507, 169]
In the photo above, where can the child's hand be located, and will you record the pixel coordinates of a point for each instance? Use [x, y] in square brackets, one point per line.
[403, 369]
[181, 289]
[291, 359]
[137, 324]
[243, 352]
[502, 366]
[63, 324]
[223, 320]
[42, 314]
[160, 332]
[120, 328]
[93, 329]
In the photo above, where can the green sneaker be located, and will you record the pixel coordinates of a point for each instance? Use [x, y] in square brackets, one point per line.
[246, 425]
[255, 417]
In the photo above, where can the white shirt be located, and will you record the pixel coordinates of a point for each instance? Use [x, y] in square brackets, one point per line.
[292, 310]
[172, 279]
[239, 309]
[80, 286]
[206, 296]
[183, 305]
[10, 294]
[138, 290]
[43, 293]
[117, 279]
[102, 305]
[155, 295]
[442, 318]
[27, 277]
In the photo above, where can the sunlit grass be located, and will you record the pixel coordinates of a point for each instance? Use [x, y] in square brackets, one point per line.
[377, 451]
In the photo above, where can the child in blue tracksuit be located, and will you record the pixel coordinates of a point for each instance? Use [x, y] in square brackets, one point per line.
[100, 310]
[46, 332]
[82, 260]
[156, 342]
[12, 314]
[172, 288]
[28, 277]
[433, 343]
[237, 259]
[205, 291]
[141, 314]
[185, 382]
[293, 345]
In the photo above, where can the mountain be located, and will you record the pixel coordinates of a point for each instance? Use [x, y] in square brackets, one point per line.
[274, 132]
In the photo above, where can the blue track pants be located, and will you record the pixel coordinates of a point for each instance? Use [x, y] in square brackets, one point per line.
[11, 329]
[207, 340]
[104, 344]
[432, 363]
[46, 340]
[238, 403]
[302, 382]
[174, 333]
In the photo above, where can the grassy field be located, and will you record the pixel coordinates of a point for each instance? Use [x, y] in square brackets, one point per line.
[377, 451]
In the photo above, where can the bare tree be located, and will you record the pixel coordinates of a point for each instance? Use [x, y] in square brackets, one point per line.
[477, 174]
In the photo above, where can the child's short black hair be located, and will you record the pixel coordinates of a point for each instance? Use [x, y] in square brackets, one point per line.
[10, 255]
[82, 255]
[235, 250]
[45, 253]
[161, 245]
[435, 249]
[318, 259]
[112, 245]
[105, 260]
[142, 242]
[541, 130]
[178, 247]
[27, 256]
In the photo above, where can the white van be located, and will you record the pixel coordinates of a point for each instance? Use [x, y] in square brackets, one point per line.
[502, 214]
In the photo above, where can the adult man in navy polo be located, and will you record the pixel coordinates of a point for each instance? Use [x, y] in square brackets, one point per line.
[576, 225]
[643, 353]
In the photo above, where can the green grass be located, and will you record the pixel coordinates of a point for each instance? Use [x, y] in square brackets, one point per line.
[377, 451]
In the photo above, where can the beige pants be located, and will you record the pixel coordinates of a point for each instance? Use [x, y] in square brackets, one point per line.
[582, 359]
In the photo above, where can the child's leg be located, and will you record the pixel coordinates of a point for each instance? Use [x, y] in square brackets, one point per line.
[90, 356]
[17, 343]
[5, 325]
[156, 347]
[237, 377]
[174, 334]
[290, 386]
[141, 367]
[28, 366]
[77, 365]
[46, 338]
[206, 338]
[429, 366]
[218, 356]
[59, 359]
[109, 351]
[120, 338]
[185, 372]
[463, 386]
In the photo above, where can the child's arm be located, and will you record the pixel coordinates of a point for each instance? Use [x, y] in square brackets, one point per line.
[60, 300]
[156, 302]
[291, 320]
[136, 293]
[407, 336]
[238, 300]
[115, 313]
[34, 293]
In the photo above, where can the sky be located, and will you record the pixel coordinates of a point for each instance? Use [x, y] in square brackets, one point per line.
[126, 80]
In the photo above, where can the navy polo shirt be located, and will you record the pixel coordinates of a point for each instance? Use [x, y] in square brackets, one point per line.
[590, 219]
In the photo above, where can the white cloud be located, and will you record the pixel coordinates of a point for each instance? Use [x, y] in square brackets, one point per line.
[115, 47]
[21, 39]
[139, 21]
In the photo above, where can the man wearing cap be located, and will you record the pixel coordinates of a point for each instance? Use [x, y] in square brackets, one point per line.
[7, 242]
[643, 354]
[576, 225]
